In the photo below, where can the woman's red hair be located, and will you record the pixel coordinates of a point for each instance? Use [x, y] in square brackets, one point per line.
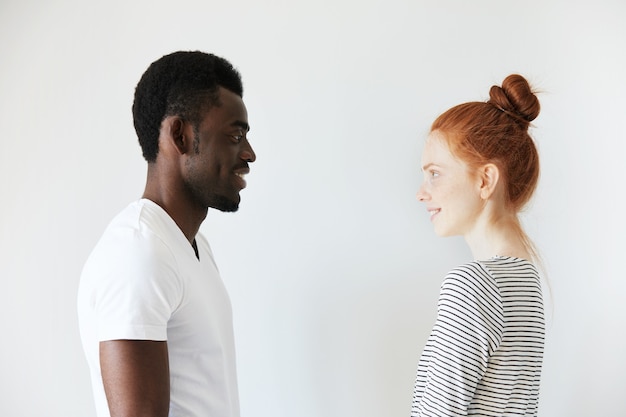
[496, 132]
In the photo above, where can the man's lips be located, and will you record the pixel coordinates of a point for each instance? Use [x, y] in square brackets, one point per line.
[241, 173]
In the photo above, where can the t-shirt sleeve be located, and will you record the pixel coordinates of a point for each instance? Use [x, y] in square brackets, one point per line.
[136, 287]
[467, 330]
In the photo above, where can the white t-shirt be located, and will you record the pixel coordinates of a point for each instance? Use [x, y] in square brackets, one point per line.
[143, 281]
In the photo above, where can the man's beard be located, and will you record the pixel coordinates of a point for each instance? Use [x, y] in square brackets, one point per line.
[224, 204]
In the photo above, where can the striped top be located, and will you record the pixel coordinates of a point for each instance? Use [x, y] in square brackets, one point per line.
[484, 354]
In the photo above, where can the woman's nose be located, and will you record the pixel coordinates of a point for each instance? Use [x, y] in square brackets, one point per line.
[422, 195]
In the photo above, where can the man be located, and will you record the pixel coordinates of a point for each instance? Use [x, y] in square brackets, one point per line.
[155, 318]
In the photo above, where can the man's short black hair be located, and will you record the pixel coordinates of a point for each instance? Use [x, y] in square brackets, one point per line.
[184, 84]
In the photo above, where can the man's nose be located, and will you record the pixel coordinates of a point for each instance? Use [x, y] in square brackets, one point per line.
[247, 154]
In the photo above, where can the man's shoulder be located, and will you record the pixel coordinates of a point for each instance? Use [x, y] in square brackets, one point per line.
[142, 220]
[138, 232]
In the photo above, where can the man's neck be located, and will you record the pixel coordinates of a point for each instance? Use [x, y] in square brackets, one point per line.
[187, 216]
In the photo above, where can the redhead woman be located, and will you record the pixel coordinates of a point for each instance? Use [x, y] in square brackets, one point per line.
[484, 354]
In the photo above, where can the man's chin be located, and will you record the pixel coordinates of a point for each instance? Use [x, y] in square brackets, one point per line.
[226, 205]
[230, 209]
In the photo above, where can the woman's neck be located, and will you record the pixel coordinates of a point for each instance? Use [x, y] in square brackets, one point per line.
[500, 237]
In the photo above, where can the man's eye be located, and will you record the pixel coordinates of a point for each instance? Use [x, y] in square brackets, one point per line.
[237, 138]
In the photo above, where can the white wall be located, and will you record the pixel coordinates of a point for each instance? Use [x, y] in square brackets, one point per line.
[332, 265]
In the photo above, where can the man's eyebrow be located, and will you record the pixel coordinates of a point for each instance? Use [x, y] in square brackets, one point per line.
[243, 125]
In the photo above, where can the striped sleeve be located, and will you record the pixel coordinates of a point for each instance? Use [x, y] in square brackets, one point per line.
[511, 384]
[467, 331]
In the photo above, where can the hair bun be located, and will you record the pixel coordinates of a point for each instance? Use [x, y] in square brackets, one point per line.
[516, 98]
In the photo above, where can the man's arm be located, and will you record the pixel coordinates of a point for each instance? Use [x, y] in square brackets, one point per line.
[136, 377]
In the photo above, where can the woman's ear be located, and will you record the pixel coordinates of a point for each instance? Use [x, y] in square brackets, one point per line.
[489, 177]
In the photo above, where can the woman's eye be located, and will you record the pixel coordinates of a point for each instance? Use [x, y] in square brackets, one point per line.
[432, 176]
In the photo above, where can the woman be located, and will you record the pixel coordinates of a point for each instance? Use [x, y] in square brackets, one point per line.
[484, 354]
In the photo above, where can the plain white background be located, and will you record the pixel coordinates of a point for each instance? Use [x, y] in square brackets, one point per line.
[331, 263]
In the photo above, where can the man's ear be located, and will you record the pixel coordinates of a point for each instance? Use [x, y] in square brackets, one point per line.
[177, 136]
[489, 177]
